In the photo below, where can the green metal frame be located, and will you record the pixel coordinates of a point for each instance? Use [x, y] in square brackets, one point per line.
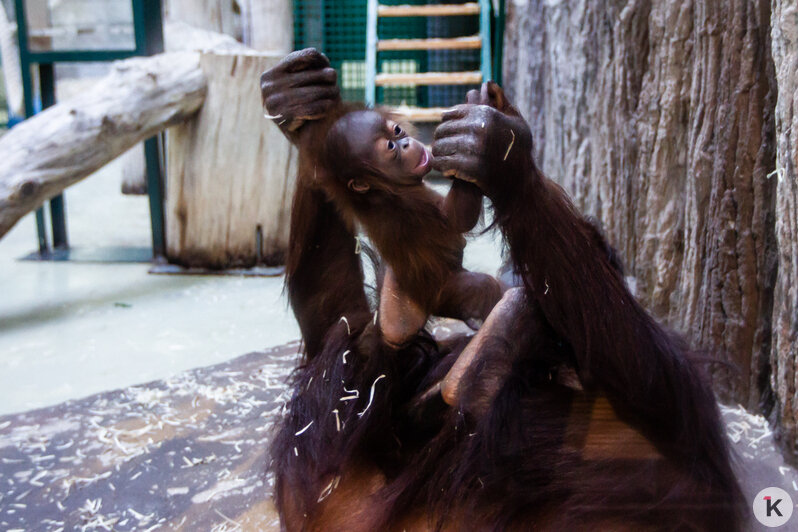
[488, 28]
[148, 33]
[498, 42]
[484, 31]
[371, 53]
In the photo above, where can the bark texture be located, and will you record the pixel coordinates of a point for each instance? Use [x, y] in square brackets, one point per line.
[657, 117]
[68, 141]
[785, 312]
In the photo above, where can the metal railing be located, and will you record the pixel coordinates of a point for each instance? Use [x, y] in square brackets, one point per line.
[148, 40]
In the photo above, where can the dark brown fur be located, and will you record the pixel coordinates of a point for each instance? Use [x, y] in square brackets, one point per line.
[528, 463]
[634, 443]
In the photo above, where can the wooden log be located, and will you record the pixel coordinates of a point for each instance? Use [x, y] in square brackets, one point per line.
[230, 173]
[67, 142]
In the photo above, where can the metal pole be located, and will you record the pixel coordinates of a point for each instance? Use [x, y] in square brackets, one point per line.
[484, 30]
[371, 54]
[148, 23]
[22, 41]
[148, 27]
[498, 43]
[57, 209]
[27, 94]
[155, 191]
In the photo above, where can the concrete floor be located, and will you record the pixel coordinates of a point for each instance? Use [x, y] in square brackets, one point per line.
[70, 329]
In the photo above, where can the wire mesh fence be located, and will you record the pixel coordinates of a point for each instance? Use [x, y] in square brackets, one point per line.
[338, 28]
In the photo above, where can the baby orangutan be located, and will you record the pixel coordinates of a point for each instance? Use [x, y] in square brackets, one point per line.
[372, 171]
[417, 231]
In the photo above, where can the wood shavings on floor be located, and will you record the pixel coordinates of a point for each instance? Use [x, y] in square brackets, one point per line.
[188, 452]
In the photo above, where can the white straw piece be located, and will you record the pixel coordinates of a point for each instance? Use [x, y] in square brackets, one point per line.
[337, 421]
[329, 489]
[371, 395]
[510, 147]
[302, 431]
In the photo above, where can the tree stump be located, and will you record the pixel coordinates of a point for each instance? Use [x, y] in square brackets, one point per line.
[269, 25]
[230, 173]
[178, 37]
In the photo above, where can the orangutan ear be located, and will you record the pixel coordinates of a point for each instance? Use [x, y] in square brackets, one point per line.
[358, 186]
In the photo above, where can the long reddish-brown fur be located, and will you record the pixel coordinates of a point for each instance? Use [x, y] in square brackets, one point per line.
[525, 464]
[636, 444]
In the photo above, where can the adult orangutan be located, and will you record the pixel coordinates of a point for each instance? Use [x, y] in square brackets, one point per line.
[571, 409]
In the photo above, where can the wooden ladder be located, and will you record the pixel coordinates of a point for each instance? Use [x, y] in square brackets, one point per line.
[374, 45]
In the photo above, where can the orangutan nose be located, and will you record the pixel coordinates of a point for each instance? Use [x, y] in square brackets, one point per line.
[405, 143]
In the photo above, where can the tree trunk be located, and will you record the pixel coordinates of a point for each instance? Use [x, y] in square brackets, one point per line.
[230, 173]
[213, 15]
[269, 25]
[68, 141]
[785, 312]
[657, 117]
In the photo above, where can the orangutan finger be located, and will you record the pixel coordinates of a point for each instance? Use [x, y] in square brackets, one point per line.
[301, 97]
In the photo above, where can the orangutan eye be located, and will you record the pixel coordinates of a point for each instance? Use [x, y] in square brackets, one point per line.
[391, 145]
[397, 130]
